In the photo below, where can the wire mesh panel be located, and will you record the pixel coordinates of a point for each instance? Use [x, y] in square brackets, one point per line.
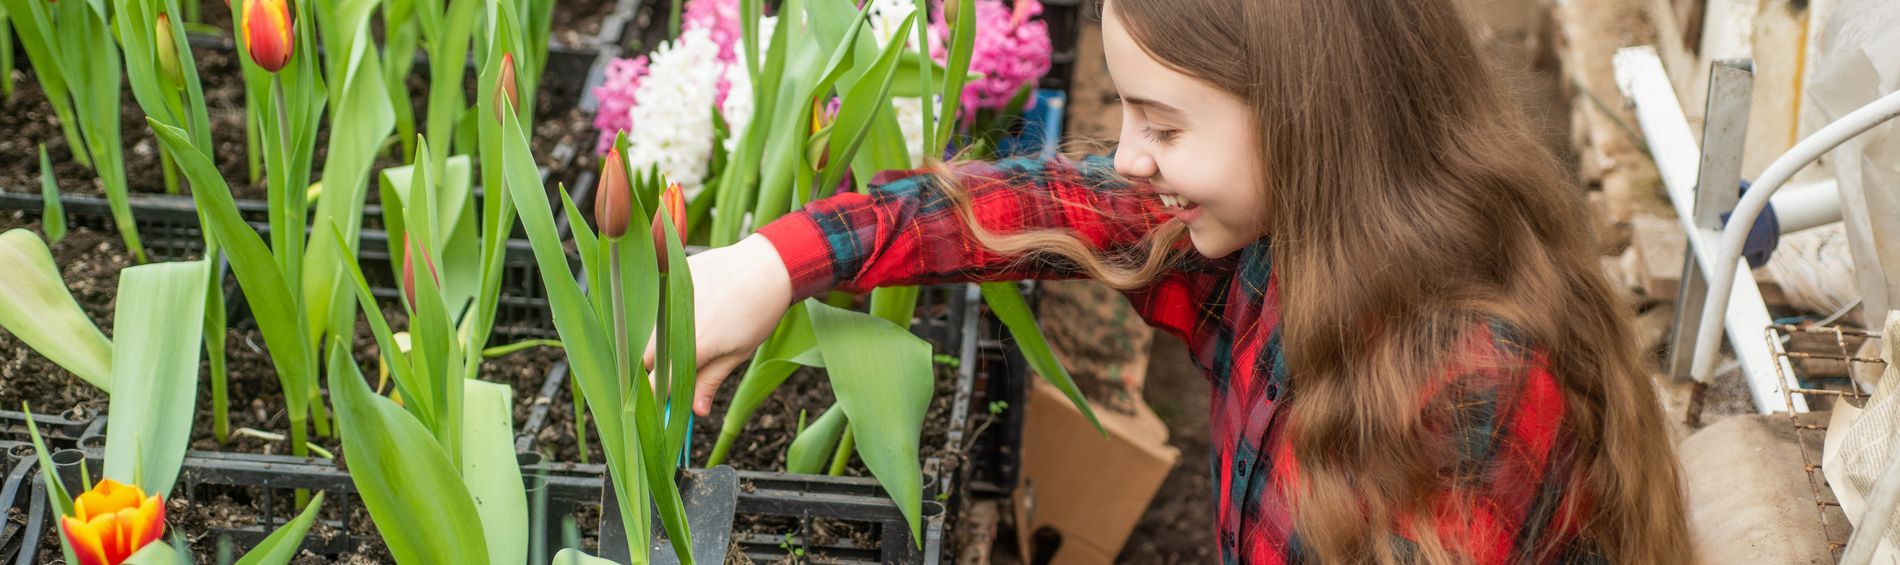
[1824, 361]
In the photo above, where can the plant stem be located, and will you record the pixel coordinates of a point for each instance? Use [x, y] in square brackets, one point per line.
[623, 362]
[214, 349]
[176, 106]
[253, 152]
[300, 447]
[319, 416]
[846, 446]
[170, 169]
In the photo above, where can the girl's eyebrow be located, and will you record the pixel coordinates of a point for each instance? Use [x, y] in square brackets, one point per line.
[1149, 104]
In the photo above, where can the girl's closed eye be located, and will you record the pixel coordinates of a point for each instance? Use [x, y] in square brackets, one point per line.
[1160, 135]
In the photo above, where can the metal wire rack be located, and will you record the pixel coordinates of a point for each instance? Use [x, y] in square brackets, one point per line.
[1824, 369]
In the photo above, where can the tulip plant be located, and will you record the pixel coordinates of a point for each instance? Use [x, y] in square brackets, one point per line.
[637, 285]
[150, 371]
[164, 78]
[451, 436]
[297, 290]
[154, 362]
[77, 63]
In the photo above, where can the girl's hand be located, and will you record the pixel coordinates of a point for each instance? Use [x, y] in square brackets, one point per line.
[739, 293]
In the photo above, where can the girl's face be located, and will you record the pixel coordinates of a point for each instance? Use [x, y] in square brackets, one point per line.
[1193, 142]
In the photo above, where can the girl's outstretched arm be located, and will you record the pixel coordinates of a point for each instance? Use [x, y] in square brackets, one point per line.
[908, 229]
[905, 231]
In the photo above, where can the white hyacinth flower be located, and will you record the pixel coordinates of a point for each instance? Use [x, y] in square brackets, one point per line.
[673, 120]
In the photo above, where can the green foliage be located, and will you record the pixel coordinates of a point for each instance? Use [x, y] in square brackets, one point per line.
[37, 308]
[155, 352]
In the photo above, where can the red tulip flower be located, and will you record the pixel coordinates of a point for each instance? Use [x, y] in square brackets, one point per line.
[111, 522]
[268, 33]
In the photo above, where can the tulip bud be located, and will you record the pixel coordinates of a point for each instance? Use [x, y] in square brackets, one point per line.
[409, 268]
[950, 14]
[111, 522]
[268, 33]
[818, 146]
[506, 89]
[614, 204]
[673, 207]
[168, 66]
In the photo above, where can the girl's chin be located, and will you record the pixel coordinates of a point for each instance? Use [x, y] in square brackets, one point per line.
[1212, 247]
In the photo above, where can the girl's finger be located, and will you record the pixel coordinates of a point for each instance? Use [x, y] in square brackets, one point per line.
[709, 378]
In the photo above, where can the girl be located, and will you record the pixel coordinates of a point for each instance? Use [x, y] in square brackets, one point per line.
[1391, 285]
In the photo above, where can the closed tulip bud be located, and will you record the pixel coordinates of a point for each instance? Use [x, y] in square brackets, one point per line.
[672, 207]
[111, 522]
[268, 33]
[506, 90]
[168, 65]
[950, 13]
[614, 204]
[409, 268]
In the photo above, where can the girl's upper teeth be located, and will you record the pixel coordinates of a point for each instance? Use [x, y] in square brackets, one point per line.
[1174, 201]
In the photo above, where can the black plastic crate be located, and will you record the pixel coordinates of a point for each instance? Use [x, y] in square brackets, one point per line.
[58, 430]
[21, 500]
[861, 500]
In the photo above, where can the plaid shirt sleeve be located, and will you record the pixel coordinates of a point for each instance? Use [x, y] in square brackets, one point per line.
[906, 231]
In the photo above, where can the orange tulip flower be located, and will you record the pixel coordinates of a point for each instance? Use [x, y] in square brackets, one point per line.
[673, 206]
[268, 34]
[111, 522]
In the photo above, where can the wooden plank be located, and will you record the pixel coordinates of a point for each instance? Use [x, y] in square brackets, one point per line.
[1659, 246]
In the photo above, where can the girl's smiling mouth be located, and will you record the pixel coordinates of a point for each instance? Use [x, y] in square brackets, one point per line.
[1182, 208]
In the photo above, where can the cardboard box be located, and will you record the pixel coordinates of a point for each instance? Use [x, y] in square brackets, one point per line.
[1088, 489]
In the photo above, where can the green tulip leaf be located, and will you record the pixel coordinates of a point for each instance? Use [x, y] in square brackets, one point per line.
[37, 308]
[158, 331]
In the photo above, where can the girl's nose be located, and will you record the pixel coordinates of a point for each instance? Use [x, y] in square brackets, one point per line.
[1132, 161]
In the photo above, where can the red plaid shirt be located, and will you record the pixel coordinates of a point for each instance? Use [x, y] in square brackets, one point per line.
[1503, 422]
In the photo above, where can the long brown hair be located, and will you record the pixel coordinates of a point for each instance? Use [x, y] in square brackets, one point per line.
[1408, 203]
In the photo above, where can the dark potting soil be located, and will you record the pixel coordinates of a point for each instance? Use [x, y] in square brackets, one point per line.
[89, 260]
[30, 119]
